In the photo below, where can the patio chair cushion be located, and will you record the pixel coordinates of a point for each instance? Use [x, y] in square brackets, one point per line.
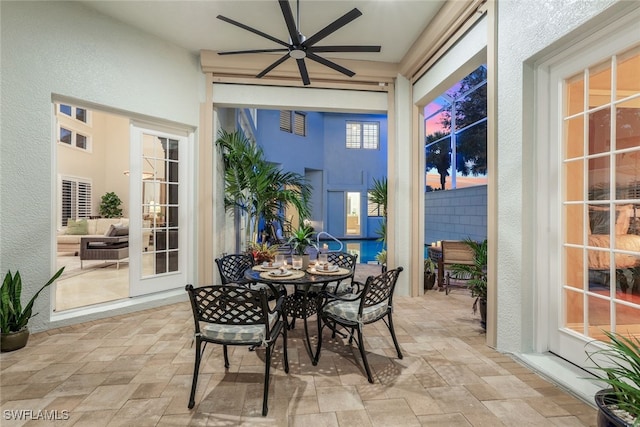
[348, 310]
[238, 333]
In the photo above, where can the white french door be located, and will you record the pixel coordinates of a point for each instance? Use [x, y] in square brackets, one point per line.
[158, 240]
[588, 274]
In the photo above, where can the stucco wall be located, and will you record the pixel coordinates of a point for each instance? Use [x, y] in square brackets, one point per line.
[526, 30]
[67, 49]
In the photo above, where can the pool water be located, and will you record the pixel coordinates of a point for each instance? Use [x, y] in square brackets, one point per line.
[365, 248]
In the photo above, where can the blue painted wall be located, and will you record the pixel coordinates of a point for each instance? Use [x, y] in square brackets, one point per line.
[322, 156]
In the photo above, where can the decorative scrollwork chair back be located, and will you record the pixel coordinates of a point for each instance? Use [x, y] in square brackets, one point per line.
[352, 311]
[240, 316]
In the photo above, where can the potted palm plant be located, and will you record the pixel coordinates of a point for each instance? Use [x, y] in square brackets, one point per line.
[256, 187]
[619, 361]
[429, 274]
[13, 317]
[476, 276]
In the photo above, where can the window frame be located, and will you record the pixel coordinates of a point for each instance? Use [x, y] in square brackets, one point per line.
[81, 206]
[74, 113]
[74, 138]
[361, 143]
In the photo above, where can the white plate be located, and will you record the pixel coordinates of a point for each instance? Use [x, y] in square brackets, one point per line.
[278, 273]
[331, 269]
[268, 267]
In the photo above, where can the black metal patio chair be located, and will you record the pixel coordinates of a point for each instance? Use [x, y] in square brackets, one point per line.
[236, 315]
[353, 311]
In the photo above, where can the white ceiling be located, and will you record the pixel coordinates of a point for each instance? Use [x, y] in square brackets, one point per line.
[393, 24]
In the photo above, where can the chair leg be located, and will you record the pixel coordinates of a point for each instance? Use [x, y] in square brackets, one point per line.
[393, 335]
[226, 356]
[267, 367]
[316, 358]
[284, 348]
[363, 354]
[194, 382]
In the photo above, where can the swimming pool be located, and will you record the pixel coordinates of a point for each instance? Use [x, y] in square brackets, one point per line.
[365, 248]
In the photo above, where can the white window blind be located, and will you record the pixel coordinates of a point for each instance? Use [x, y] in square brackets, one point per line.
[363, 135]
[76, 199]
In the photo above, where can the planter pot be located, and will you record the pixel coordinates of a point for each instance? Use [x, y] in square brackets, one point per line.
[606, 417]
[483, 313]
[429, 280]
[14, 340]
[481, 305]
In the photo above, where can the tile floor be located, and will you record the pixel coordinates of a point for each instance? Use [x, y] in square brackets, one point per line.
[135, 370]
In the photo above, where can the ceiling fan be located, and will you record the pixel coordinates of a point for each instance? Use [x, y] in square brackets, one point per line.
[300, 47]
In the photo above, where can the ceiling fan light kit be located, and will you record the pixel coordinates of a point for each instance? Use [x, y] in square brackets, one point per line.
[301, 48]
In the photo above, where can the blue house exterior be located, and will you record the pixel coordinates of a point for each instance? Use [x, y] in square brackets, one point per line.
[332, 169]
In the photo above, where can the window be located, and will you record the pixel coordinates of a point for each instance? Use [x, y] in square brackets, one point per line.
[77, 113]
[456, 134]
[75, 199]
[73, 138]
[373, 209]
[285, 120]
[364, 135]
[299, 124]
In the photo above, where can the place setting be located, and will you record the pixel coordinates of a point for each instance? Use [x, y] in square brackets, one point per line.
[323, 266]
[280, 269]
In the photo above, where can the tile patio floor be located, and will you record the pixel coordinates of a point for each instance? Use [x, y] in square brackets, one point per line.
[135, 370]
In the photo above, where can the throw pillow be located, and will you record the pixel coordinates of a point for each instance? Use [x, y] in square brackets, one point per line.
[77, 227]
[117, 230]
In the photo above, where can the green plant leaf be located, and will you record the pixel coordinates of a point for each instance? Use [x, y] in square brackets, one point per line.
[13, 317]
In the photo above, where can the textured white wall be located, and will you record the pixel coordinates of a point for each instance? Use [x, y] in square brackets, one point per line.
[526, 30]
[68, 49]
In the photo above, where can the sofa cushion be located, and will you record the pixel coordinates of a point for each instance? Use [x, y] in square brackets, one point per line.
[77, 227]
[117, 230]
[103, 224]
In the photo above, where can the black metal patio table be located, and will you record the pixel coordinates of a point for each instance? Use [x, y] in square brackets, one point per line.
[302, 303]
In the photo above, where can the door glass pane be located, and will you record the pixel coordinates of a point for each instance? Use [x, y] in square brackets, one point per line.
[604, 207]
[574, 134]
[160, 204]
[628, 70]
[353, 213]
[600, 84]
[575, 95]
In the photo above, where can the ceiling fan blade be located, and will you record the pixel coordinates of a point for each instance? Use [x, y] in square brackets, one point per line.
[345, 48]
[235, 52]
[253, 30]
[330, 64]
[303, 72]
[288, 19]
[335, 25]
[274, 65]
